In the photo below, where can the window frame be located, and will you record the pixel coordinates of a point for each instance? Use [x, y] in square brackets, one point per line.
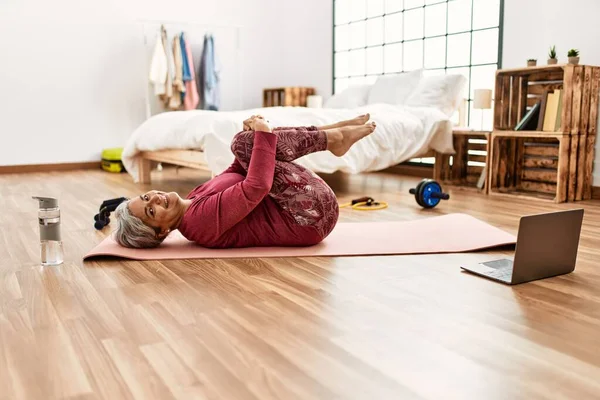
[470, 65]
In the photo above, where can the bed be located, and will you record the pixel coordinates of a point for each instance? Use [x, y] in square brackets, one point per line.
[407, 127]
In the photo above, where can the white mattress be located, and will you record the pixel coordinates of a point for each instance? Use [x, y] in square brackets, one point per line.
[402, 133]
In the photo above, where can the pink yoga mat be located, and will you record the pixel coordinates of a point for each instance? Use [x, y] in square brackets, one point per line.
[453, 233]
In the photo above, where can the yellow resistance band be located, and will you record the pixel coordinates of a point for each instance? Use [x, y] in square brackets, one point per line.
[366, 205]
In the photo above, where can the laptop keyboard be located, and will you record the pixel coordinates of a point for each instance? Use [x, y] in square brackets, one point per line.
[504, 274]
[504, 263]
[503, 269]
[498, 269]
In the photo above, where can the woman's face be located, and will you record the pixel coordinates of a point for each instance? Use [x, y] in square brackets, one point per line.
[159, 210]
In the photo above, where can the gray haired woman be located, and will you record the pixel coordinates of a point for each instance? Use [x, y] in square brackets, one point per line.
[262, 199]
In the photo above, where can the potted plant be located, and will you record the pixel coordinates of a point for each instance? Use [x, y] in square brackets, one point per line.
[532, 62]
[552, 56]
[573, 55]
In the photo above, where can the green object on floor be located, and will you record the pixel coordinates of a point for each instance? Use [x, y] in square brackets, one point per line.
[111, 160]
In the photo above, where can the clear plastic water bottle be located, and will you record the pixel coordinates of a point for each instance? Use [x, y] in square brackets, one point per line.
[50, 240]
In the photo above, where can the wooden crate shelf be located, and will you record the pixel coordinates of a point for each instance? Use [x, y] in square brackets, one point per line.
[287, 96]
[515, 167]
[464, 168]
[529, 165]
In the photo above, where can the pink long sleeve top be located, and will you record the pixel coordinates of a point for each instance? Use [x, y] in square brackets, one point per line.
[234, 209]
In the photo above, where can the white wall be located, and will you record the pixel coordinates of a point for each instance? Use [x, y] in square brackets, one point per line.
[72, 75]
[532, 26]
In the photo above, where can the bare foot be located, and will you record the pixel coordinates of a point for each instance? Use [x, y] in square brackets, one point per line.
[339, 140]
[360, 120]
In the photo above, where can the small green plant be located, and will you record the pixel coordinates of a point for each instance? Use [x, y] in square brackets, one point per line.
[552, 52]
[532, 60]
[573, 53]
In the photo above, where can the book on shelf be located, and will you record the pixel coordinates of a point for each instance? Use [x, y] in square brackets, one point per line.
[553, 111]
[529, 122]
[557, 125]
[544, 102]
[545, 115]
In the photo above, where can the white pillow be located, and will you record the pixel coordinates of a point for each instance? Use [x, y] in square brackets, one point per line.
[443, 92]
[394, 89]
[352, 97]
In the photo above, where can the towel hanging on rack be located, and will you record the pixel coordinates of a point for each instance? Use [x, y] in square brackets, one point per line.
[209, 76]
[158, 67]
[186, 66]
[170, 67]
[172, 72]
[178, 84]
[190, 101]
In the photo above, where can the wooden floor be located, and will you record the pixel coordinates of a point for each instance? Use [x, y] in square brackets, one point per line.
[403, 327]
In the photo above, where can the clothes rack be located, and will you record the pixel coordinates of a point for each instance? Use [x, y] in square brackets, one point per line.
[154, 25]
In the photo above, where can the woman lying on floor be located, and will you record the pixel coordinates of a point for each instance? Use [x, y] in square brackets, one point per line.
[262, 199]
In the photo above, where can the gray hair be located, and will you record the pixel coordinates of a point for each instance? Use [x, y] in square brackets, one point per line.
[132, 231]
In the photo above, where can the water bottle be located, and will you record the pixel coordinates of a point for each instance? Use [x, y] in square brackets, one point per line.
[50, 241]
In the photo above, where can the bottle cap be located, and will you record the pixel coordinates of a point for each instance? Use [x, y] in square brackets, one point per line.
[47, 202]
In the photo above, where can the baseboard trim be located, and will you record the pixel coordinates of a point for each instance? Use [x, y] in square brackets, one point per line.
[30, 168]
[596, 192]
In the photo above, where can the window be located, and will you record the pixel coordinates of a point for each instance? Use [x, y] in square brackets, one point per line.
[376, 37]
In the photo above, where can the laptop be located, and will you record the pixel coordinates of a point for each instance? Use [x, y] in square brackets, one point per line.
[546, 246]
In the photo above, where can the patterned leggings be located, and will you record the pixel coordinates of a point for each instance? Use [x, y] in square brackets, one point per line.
[298, 191]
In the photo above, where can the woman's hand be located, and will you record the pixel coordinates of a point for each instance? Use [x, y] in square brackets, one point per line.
[257, 123]
[262, 125]
[248, 122]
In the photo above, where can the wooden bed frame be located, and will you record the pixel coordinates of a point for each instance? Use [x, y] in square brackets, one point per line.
[184, 158]
[197, 159]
